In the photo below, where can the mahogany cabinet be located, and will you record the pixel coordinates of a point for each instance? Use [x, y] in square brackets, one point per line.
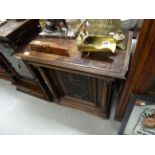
[74, 80]
[84, 83]
[17, 33]
[74, 89]
[13, 36]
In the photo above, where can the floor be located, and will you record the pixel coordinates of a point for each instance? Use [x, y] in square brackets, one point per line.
[24, 114]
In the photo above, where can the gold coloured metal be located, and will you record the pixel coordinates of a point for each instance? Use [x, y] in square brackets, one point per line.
[97, 44]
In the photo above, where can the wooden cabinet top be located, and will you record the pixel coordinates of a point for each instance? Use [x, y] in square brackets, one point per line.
[18, 33]
[115, 66]
[10, 27]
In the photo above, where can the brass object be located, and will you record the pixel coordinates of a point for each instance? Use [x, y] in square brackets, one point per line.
[119, 36]
[101, 35]
[97, 44]
[102, 26]
[121, 45]
[42, 23]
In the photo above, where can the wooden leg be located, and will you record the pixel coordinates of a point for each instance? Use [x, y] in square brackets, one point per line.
[104, 97]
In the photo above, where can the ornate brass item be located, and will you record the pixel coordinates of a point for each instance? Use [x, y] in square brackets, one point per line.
[97, 44]
[101, 35]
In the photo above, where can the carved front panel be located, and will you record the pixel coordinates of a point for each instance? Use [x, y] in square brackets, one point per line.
[77, 86]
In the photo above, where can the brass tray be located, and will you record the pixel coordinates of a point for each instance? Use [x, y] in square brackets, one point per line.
[97, 44]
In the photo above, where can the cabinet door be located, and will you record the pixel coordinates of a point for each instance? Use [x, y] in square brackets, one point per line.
[77, 86]
[75, 90]
[62, 84]
[94, 92]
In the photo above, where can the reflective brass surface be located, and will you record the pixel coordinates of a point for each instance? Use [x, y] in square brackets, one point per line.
[97, 44]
